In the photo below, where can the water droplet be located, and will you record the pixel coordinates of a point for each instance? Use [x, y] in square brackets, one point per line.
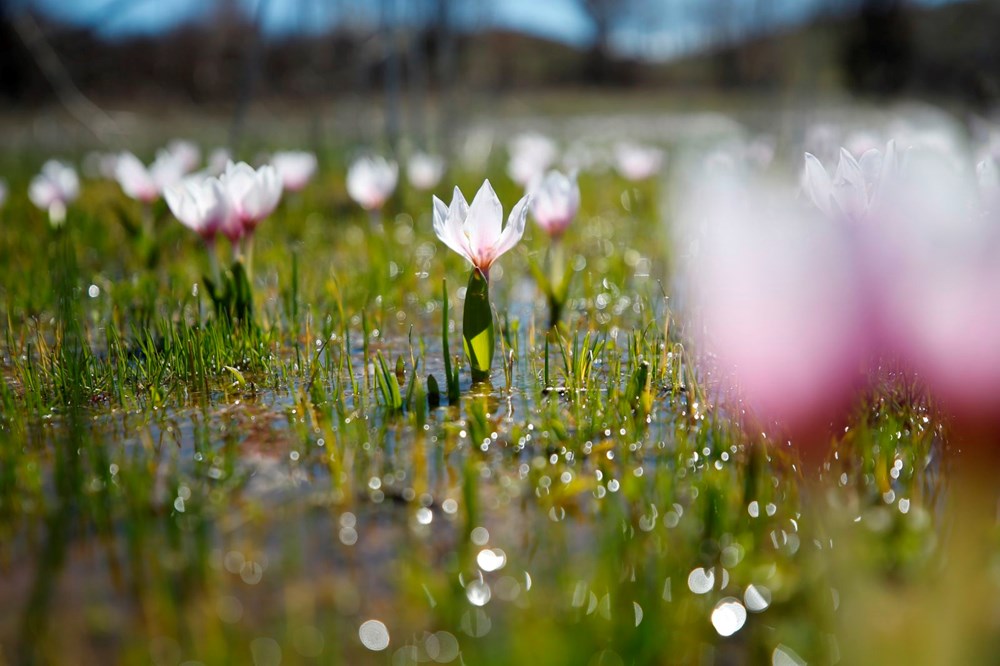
[478, 593]
[757, 598]
[701, 581]
[491, 559]
[729, 616]
[479, 536]
[374, 635]
[786, 656]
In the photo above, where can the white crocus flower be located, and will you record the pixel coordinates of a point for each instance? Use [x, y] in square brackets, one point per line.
[371, 181]
[555, 200]
[857, 185]
[474, 231]
[253, 195]
[424, 171]
[295, 167]
[200, 204]
[54, 188]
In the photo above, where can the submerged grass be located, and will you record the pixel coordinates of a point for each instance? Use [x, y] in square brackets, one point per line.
[178, 486]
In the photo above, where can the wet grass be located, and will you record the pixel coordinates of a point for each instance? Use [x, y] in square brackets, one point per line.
[182, 487]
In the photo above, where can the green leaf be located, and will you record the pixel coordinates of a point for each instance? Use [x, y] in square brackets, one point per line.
[478, 334]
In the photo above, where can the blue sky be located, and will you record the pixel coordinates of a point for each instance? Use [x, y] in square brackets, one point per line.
[666, 28]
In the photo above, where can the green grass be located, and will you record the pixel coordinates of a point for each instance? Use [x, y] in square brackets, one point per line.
[177, 486]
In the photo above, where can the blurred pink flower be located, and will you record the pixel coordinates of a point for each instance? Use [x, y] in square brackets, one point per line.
[186, 154]
[295, 167]
[530, 155]
[424, 171]
[555, 200]
[54, 188]
[635, 162]
[474, 231]
[371, 181]
[776, 302]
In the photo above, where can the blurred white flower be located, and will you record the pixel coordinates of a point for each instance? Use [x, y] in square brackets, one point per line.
[476, 231]
[635, 162]
[555, 200]
[988, 177]
[217, 161]
[147, 184]
[295, 167]
[200, 204]
[253, 195]
[857, 185]
[424, 171]
[530, 155]
[186, 154]
[371, 180]
[54, 188]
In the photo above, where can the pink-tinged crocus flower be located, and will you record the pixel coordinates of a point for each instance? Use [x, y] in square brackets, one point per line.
[554, 202]
[371, 180]
[253, 195]
[474, 231]
[53, 189]
[635, 162]
[147, 184]
[775, 295]
[944, 291]
[295, 167]
[424, 171]
[200, 204]
[530, 155]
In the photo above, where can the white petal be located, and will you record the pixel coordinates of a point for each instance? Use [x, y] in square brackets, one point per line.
[483, 225]
[515, 228]
[817, 184]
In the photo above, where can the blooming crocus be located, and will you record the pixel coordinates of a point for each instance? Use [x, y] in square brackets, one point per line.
[530, 155]
[474, 231]
[424, 171]
[857, 185]
[253, 195]
[295, 167]
[54, 188]
[554, 202]
[635, 162]
[371, 180]
[200, 204]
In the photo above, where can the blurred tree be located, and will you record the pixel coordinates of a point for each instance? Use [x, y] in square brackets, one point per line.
[878, 52]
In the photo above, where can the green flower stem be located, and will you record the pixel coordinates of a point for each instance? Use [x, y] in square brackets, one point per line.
[478, 335]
